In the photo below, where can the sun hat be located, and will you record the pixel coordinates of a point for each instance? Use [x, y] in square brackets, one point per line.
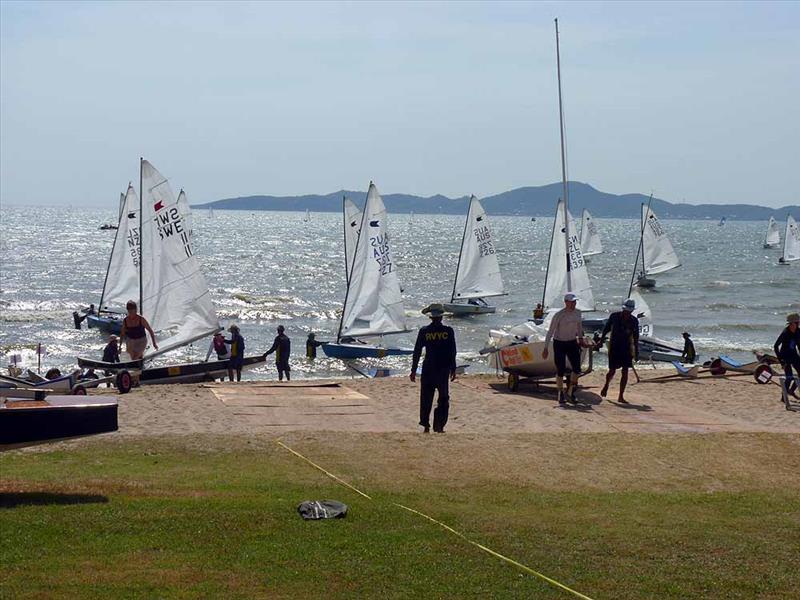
[433, 310]
[280, 327]
[629, 305]
[793, 318]
[687, 334]
[570, 297]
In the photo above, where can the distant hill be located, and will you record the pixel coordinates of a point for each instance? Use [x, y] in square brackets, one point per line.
[528, 201]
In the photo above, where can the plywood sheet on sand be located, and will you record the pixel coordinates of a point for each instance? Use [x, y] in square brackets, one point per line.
[331, 406]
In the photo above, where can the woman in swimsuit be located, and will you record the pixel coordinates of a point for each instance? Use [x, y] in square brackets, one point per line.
[134, 332]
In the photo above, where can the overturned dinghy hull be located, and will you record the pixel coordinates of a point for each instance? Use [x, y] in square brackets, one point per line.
[26, 422]
[657, 350]
[348, 351]
[182, 373]
[457, 309]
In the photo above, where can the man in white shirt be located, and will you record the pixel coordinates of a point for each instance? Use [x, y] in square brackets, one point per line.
[566, 328]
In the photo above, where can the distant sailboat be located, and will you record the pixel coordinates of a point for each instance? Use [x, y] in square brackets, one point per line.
[590, 237]
[791, 242]
[658, 255]
[373, 305]
[722, 221]
[307, 218]
[773, 237]
[478, 272]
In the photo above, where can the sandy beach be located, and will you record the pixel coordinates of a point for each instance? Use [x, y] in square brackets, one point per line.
[479, 405]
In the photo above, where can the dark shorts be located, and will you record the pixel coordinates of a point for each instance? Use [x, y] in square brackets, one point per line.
[564, 351]
[619, 359]
[283, 366]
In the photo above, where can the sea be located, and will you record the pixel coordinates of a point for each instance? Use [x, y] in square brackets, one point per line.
[266, 269]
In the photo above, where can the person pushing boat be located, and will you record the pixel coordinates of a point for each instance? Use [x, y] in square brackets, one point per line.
[237, 352]
[282, 347]
[311, 346]
[566, 328]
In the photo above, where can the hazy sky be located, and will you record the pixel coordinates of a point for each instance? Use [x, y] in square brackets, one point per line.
[695, 101]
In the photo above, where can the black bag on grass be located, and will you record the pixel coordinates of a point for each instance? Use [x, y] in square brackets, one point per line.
[322, 509]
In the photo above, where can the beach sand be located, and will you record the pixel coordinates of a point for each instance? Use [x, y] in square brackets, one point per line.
[479, 405]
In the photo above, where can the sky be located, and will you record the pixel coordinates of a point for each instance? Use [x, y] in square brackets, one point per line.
[697, 102]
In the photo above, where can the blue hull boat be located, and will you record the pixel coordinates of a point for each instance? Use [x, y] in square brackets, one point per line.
[109, 324]
[348, 351]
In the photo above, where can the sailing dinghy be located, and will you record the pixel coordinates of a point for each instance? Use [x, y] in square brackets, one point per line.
[373, 305]
[161, 269]
[590, 236]
[772, 239]
[658, 255]
[791, 242]
[478, 272]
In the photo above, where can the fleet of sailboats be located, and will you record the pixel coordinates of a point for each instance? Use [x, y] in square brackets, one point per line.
[478, 271]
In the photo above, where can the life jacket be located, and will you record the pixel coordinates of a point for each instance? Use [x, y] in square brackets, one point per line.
[219, 344]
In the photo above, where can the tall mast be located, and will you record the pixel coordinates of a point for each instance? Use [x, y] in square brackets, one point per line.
[463, 237]
[640, 248]
[141, 234]
[110, 257]
[358, 239]
[563, 167]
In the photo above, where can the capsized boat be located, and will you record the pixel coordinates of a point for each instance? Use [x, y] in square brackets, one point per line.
[590, 236]
[373, 305]
[791, 242]
[478, 272]
[772, 238]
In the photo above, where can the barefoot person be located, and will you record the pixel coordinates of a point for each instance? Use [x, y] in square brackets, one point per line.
[787, 349]
[439, 342]
[566, 328]
[623, 347]
[134, 331]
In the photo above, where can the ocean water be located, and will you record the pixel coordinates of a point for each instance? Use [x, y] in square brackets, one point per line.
[270, 268]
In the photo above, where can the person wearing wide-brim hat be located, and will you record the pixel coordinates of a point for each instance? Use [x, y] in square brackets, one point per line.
[623, 347]
[566, 328]
[438, 368]
[236, 360]
[689, 354]
[787, 349]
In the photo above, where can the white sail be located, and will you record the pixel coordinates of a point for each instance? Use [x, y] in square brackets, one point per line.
[352, 225]
[373, 305]
[478, 273]
[644, 314]
[658, 254]
[307, 218]
[773, 237]
[590, 236]
[557, 283]
[122, 277]
[121, 203]
[791, 240]
[175, 295]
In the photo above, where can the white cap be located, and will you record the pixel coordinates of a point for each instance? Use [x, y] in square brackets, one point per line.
[570, 297]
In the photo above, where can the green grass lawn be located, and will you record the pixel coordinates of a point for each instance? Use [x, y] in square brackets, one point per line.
[169, 518]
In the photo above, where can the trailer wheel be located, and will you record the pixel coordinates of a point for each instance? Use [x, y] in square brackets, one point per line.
[79, 390]
[124, 382]
[513, 382]
[716, 367]
[763, 374]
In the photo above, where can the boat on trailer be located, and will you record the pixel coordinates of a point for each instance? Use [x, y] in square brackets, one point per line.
[478, 272]
[373, 304]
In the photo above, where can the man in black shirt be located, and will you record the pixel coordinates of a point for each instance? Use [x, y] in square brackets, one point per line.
[439, 342]
[623, 348]
[282, 347]
[689, 353]
[787, 349]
